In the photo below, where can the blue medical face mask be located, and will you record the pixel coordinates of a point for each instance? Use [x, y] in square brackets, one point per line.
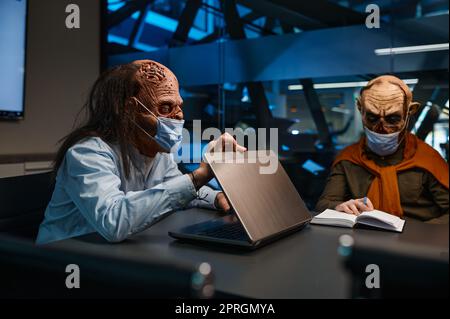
[384, 144]
[169, 132]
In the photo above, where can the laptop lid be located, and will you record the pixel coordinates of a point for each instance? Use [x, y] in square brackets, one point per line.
[260, 192]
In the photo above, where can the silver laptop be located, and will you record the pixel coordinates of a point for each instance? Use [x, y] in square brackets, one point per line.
[265, 203]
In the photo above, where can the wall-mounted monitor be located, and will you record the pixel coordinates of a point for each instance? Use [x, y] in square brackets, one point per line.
[13, 15]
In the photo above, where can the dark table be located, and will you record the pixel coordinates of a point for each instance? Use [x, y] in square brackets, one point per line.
[305, 264]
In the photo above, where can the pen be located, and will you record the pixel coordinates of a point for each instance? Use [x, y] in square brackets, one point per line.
[365, 201]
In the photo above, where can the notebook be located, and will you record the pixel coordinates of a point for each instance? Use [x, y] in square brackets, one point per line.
[373, 218]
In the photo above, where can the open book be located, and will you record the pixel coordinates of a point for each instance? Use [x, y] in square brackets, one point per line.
[373, 218]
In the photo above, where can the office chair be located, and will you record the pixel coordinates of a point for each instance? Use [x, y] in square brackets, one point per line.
[23, 201]
[29, 271]
[406, 270]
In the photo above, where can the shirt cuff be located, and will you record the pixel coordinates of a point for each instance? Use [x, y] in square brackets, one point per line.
[181, 191]
[207, 197]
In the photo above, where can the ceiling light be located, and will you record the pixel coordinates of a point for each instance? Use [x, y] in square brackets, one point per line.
[343, 85]
[413, 49]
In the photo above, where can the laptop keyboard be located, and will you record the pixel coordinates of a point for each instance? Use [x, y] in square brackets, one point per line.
[233, 231]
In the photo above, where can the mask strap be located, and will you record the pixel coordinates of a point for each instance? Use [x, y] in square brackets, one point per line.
[404, 128]
[148, 134]
[407, 120]
[140, 127]
[144, 107]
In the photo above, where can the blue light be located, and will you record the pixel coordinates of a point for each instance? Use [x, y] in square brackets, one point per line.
[242, 10]
[320, 146]
[344, 251]
[115, 6]
[229, 86]
[422, 116]
[210, 110]
[123, 41]
[245, 98]
[313, 167]
[116, 39]
[285, 148]
[161, 21]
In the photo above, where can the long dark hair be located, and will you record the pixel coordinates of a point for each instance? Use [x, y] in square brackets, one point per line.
[106, 113]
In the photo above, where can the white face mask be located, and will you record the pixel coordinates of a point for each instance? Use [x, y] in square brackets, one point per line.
[384, 144]
[169, 132]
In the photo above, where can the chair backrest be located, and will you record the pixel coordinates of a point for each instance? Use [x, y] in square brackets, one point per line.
[402, 269]
[23, 200]
[30, 271]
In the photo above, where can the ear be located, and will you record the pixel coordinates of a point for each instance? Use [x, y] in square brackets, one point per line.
[359, 104]
[413, 108]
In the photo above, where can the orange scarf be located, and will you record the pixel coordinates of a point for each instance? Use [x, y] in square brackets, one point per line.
[383, 191]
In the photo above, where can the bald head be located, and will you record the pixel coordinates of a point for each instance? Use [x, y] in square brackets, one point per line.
[159, 93]
[385, 103]
[156, 75]
[160, 89]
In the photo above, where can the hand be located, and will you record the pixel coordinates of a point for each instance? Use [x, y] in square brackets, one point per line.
[225, 142]
[221, 202]
[204, 174]
[355, 206]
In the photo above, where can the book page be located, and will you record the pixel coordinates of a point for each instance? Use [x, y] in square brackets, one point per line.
[334, 218]
[382, 216]
[381, 219]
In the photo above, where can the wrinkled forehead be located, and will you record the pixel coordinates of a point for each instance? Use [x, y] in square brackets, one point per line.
[156, 76]
[386, 97]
